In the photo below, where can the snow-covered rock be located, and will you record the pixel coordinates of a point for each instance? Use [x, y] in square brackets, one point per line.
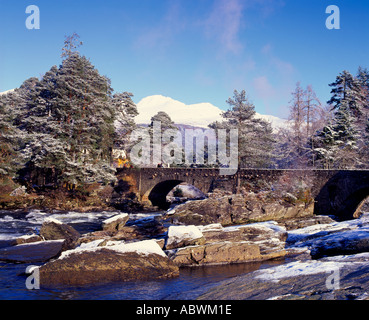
[53, 229]
[115, 223]
[235, 244]
[116, 261]
[145, 247]
[181, 236]
[332, 278]
[40, 251]
[347, 237]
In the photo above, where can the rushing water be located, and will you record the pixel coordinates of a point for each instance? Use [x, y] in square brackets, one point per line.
[190, 284]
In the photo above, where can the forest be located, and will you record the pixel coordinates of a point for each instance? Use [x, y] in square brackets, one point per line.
[60, 130]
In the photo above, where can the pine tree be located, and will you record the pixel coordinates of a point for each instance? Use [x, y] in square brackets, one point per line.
[125, 112]
[337, 143]
[166, 139]
[325, 149]
[347, 90]
[9, 137]
[68, 117]
[363, 78]
[87, 120]
[255, 136]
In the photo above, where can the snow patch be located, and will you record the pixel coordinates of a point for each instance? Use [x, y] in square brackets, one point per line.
[298, 268]
[115, 218]
[50, 219]
[211, 227]
[145, 247]
[177, 234]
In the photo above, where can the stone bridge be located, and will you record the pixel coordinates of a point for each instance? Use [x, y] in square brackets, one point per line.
[336, 192]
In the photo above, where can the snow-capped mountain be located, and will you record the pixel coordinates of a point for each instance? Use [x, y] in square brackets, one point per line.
[197, 115]
[5, 92]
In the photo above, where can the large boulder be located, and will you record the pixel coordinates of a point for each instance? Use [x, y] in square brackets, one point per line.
[336, 238]
[32, 252]
[217, 253]
[53, 229]
[333, 278]
[270, 237]
[239, 209]
[234, 244]
[141, 260]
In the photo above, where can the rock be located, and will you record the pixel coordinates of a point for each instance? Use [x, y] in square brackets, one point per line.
[21, 191]
[142, 260]
[347, 242]
[334, 278]
[181, 236]
[299, 223]
[27, 239]
[216, 253]
[254, 242]
[115, 223]
[270, 237]
[337, 238]
[53, 229]
[128, 233]
[238, 209]
[93, 236]
[203, 212]
[161, 243]
[32, 252]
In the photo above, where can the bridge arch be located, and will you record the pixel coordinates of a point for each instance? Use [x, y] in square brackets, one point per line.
[157, 195]
[343, 194]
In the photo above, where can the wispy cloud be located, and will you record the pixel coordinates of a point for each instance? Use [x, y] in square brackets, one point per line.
[275, 81]
[162, 34]
[224, 24]
[263, 88]
[229, 18]
[283, 68]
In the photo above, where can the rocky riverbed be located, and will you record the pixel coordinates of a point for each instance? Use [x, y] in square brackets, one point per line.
[331, 262]
[320, 258]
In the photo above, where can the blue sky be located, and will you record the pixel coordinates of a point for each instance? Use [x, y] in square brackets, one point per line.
[192, 50]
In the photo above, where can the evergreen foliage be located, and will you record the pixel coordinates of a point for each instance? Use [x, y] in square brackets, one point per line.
[255, 136]
[62, 126]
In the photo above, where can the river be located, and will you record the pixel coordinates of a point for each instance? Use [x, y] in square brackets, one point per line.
[191, 283]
